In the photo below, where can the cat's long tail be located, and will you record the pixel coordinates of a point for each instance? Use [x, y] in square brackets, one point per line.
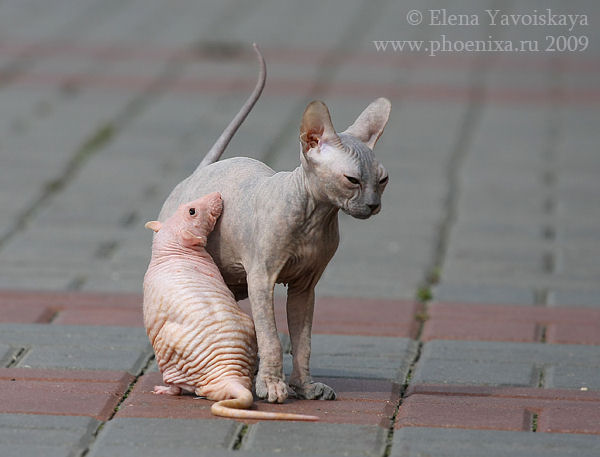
[220, 145]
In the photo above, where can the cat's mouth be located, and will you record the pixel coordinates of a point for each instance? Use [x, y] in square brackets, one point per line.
[362, 212]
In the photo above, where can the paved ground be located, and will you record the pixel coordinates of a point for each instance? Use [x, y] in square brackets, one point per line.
[464, 320]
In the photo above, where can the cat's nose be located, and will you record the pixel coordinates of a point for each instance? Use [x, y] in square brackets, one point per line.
[373, 207]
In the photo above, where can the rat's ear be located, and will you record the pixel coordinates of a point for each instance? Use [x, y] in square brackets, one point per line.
[369, 126]
[153, 225]
[316, 127]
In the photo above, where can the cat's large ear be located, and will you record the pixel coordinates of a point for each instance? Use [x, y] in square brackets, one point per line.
[369, 126]
[316, 127]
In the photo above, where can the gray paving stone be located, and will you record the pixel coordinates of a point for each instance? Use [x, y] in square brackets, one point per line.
[114, 280]
[43, 281]
[78, 347]
[572, 377]
[382, 281]
[26, 435]
[442, 442]
[359, 357]
[563, 280]
[57, 245]
[128, 437]
[479, 270]
[303, 439]
[586, 298]
[483, 293]
[477, 373]
[6, 354]
[508, 364]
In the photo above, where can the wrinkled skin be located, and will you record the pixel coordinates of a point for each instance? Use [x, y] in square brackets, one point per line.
[189, 313]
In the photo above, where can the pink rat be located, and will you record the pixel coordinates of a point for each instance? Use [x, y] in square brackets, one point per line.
[204, 343]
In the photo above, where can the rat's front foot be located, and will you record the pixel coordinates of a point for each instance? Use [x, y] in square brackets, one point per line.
[167, 390]
[272, 388]
[313, 390]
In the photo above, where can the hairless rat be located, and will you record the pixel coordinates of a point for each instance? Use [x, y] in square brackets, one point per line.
[203, 341]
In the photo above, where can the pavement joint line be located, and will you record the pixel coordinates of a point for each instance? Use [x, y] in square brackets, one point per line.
[548, 262]
[52, 318]
[549, 178]
[542, 330]
[541, 377]
[457, 157]
[534, 422]
[433, 272]
[132, 384]
[106, 249]
[106, 133]
[18, 356]
[129, 219]
[239, 439]
[401, 397]
[76, 284]
[143, 370]
[455, 162]
[53, 187]
[548, 232]
[100, 138]
[540, 296]
[25, 58]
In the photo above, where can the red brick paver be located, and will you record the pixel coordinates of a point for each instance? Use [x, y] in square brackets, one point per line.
[512, 323]
[504, 392]
[359, 402]
[96, 393]
[25, 313]
[285, 87]
[73, 308]
[277, 54]
[66, 299]
[356, 316]
[62, 392]
[558, 411]
[100, 315]
[342, 316]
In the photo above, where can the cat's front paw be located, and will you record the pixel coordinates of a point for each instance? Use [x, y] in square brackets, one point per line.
[271, 388]
[313, 391]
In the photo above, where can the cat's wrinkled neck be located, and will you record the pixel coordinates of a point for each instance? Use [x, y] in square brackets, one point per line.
[317, 205]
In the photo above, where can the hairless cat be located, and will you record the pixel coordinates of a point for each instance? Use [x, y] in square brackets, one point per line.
[283, 227]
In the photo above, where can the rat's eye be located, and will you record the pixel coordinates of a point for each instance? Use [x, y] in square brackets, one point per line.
[352, 179]
[192, 211]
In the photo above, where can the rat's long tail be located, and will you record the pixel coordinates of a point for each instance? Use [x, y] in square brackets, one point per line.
[220, 145]
[235, 408]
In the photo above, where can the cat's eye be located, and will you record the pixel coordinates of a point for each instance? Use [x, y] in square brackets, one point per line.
[192, 211]
[352, 179]
[383, 180]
